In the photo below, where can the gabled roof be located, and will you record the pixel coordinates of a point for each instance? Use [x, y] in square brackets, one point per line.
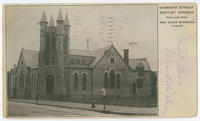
[97, 54]
[30, 57]
[81, 52]
[135, 62]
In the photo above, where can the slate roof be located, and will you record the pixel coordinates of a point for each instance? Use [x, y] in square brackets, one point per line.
[135, 62]
[30, 57]
[98, 53]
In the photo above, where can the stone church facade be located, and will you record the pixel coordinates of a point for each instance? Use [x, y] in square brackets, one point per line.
[56, 71]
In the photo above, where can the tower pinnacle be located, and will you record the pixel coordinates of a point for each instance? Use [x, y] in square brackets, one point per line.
[44, 17]
[51, 21]
[66, 20]
[60, 18]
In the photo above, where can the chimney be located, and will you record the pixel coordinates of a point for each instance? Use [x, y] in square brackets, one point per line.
[126, 54]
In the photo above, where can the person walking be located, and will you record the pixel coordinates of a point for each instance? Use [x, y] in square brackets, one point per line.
[104, 98]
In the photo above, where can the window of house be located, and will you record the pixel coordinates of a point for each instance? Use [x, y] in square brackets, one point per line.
[112, 60]
[35, 81]
[32, 81]
[139, 83]
[118, 80]
[106, 79]
[78, 61]
[53, 61]
[19, 78]
[75, 81]
[141, 73]
[22, 84]
[15, 83]
[134, 88]
[47, 62]
[72, 61]
[112, 79]
[84, 81]
[83, 61]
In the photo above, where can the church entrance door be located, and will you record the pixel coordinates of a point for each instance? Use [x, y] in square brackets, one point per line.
[49, 85]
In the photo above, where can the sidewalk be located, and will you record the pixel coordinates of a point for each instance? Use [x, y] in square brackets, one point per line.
[123, 110]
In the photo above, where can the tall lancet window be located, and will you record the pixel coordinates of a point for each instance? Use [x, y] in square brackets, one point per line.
[118, 80]
[106, 79]
[47, 44]
[112, 79]
[84, 81]
[75, 81]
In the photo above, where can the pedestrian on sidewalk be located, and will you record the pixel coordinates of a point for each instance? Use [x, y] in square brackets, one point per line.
[104, 98]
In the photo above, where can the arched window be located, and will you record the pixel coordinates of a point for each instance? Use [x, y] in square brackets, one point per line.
[75, 81]
[32, 81]
[78, 61]
[139, 83]
[106, 79]
[84, 78]
[118, 80]
[22, 80]
[53, 61]
[72, 61]
[112, 79]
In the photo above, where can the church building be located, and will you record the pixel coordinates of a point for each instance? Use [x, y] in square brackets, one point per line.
[58, 72]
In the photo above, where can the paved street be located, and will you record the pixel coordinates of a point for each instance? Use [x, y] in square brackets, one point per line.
[32, 110]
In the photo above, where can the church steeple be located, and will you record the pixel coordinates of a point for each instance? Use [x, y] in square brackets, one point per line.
[66, 20]
[60, 17]
[51, 21]
[44, 17]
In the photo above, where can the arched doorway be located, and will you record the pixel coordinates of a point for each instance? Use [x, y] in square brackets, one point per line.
[49, 85]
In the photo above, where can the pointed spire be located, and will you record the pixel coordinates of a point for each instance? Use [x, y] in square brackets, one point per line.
[51, 21]
[44, 17]
[60, 18]
[66, 20]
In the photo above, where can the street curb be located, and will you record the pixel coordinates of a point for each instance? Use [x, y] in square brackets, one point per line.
[101, 111]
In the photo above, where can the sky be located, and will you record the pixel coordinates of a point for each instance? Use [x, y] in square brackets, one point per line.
[102, 25]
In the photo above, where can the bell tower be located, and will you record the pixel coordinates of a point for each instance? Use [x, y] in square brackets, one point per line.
[53, 54]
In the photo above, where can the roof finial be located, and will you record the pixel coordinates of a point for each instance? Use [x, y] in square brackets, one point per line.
[60, 18]
[51, 21]
[44, 17]
[66, 19]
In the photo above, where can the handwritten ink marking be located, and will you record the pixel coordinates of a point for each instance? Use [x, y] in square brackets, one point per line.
[174, 57]
[168, 101]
